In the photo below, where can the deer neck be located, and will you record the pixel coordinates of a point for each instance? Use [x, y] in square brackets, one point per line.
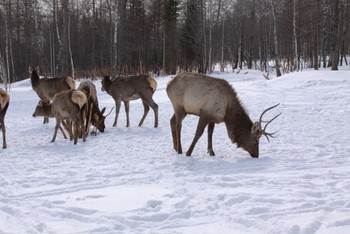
[34, 78]
[108, 86]
[238, 124]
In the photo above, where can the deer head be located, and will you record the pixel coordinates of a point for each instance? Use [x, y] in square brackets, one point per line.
[262, 131]
[99, 119]
[251, 142]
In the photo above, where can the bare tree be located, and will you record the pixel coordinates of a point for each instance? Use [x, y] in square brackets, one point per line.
[334, 39]
[275, 39]
[296, 62]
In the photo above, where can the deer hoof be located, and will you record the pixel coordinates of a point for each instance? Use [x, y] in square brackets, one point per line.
[211, 153]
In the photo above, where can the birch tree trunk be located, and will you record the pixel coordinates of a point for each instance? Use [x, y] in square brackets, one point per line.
[222, 65]
[334, 39]
[3, 73]
[113, 21]
[324, 37]
[70, 49]
[7, 52]
[252, 35]
[58, 35]
[295, 39]
[275, 39]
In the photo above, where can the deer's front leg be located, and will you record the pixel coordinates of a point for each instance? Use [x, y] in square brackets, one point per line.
[117, 108]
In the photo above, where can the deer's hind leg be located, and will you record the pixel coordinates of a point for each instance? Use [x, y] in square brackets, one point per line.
[3, 129]
[149, 102]
[173, 131]
[145, 112]
[58, 125]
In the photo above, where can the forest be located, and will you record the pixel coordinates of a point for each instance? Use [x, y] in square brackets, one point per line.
[121, 37]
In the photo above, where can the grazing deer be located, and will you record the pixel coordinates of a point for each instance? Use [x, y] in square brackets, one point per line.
[93, 111]
[70, 106]
[214, 101]
[4, 104]
[125, 89]
[47, 88]
[45, 110]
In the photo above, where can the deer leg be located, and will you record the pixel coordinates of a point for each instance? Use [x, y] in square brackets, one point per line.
[178, 124]
[94, 131]
[65, 125]
[202, 123]
[155, 110]
[82, 121]
[70, 128]
[117, 108]
[210, 139]
[58, 123]
[88, 123]
[145, 112]
[64, 135]
[148, 100]
[173, 131]
[4, 145]
[46, 119]
[126, 105]
[76, 132]
[45, 103]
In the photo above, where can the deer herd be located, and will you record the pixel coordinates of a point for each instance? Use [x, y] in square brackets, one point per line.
[213, 100]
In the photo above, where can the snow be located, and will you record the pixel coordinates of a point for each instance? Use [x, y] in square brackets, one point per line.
[129, 180]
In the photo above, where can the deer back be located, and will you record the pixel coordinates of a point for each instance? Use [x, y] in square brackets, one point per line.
[47, 88]
[88, 85]
[198, 94]
[68, 104]
[129, 88]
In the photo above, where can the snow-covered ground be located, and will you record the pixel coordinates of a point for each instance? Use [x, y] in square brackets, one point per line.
[129, 180]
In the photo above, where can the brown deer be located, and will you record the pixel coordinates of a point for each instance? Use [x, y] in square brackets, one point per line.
[125, 89]
[45, 110]
[47, 88]
[70, 106]
[4, 104]
[214, 101]
[93, 111]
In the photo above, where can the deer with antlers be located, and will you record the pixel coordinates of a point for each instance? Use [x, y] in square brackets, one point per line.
[214, 101]
[93, 113]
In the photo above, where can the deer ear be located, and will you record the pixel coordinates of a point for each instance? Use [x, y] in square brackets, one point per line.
[103, 110]
[256, 129]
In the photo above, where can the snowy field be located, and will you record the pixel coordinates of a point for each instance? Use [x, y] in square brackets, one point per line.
[129, 180]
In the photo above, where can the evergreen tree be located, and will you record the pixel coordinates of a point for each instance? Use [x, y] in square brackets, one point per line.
[190, 37]
[170, 36]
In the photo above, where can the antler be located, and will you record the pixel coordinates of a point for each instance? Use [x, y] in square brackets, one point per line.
[263, 132]
[110, 112]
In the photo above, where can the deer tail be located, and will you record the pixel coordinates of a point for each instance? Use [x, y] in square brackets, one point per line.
[152, 82]
[79, 98]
